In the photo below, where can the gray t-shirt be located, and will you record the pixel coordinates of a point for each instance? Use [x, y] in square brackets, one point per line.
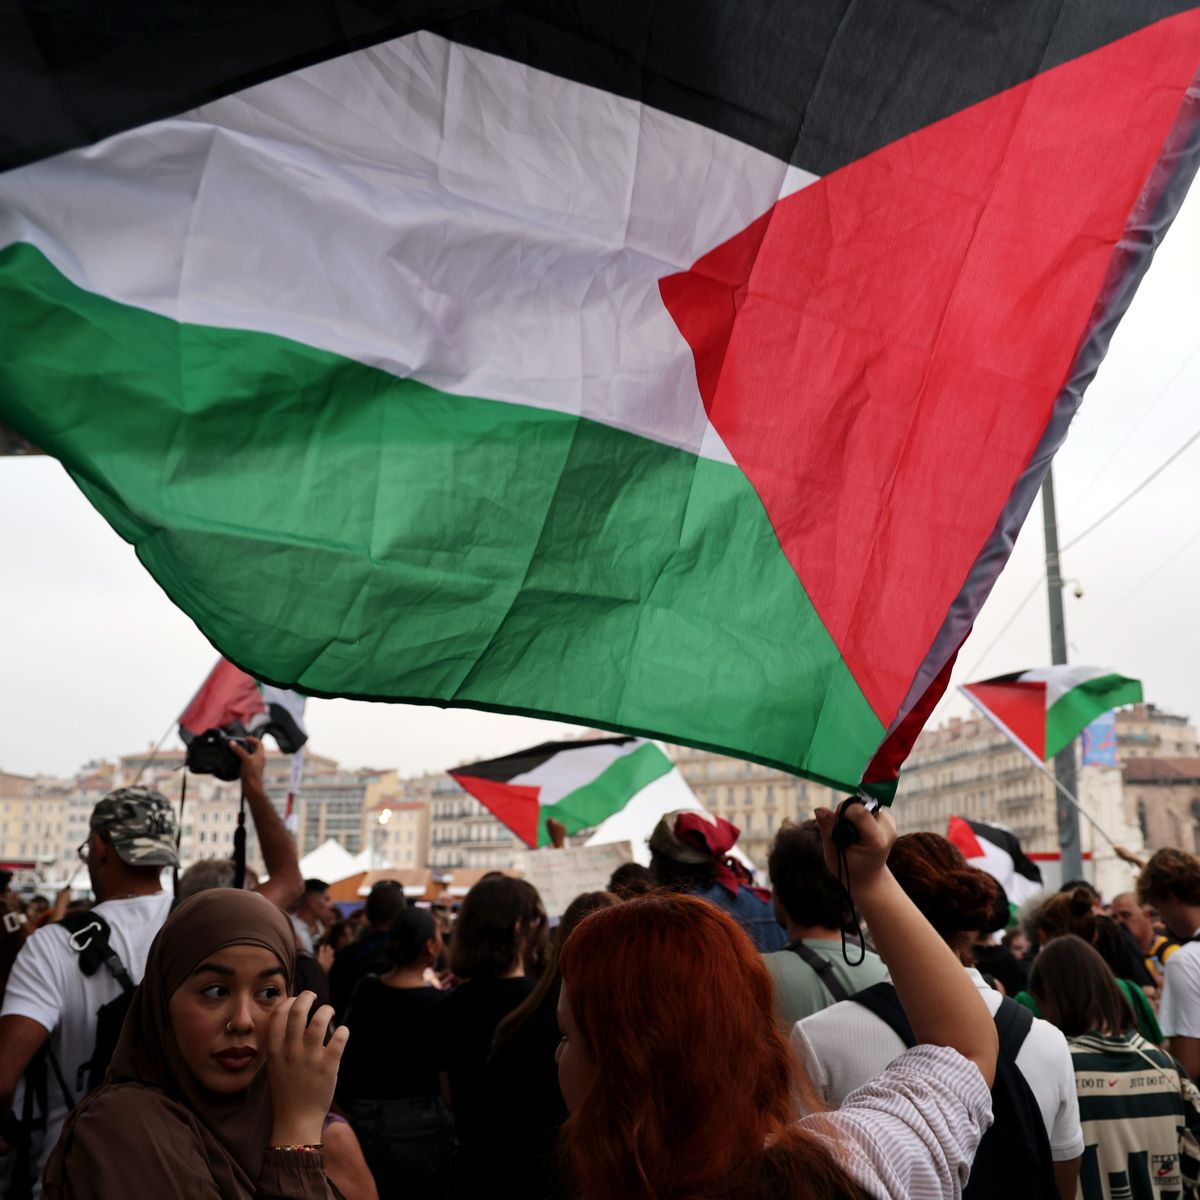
[799, 992]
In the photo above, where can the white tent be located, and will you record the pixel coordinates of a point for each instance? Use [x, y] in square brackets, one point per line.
[636, 821]
[331, 861]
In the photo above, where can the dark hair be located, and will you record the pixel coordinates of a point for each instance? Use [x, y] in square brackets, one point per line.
[500, 922]
[677, 876]
[1001, 912]
[1113, 946]
[40, 899]
[802, 883]
[1068, 912]
[314, 887]
[408, 935]
[1076, 991]
[629, 879]
[385, 902]
[1170, 875]
[551, 978]
[1074, 884]
[953, 897]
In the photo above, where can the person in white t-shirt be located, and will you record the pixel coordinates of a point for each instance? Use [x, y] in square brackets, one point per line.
[844, 1046]
[1170, 883]
[132, 836]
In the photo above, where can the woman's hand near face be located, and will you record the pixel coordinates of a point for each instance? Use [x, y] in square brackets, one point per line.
[301, 1069]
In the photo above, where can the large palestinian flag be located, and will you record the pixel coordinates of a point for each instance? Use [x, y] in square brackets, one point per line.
[676, 368]
[1046, 709]
[579, 784]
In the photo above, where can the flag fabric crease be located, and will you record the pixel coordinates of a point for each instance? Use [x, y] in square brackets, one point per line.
[682, 370]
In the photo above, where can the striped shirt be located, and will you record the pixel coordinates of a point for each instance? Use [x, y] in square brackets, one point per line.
[912, 1131]
[1140, 1116]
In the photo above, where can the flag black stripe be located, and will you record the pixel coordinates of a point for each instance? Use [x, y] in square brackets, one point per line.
[501, 770]
[817, 84]
[1008, 843]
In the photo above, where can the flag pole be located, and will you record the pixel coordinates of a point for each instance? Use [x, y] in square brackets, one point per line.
[154, 752]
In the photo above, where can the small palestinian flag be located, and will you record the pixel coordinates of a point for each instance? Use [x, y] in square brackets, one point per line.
[230, 699]
[681, 368]
[1045, 710]
[578, 784]
[997, 852]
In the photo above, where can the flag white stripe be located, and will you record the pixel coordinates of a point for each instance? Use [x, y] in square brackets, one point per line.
[436, 211]
[567, 770]
[1060, 680]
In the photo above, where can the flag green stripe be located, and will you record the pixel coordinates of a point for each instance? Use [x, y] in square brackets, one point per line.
[1083, 704]
[608, 792]
[332, 526]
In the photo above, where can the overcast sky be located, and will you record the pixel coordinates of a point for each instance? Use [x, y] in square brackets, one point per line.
[96, 662]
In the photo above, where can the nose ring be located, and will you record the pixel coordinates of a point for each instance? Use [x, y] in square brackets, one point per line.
[229, 1027]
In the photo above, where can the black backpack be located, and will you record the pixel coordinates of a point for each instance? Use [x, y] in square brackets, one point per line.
[89, 938]
[1014, 1157]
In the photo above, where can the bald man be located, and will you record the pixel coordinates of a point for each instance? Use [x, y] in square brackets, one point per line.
[1155, 947]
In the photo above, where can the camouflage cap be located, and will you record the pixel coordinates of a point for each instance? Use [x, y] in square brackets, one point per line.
[140, 823]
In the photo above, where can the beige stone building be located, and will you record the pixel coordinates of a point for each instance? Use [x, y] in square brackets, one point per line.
[755, 798]
[967, 767]
[396, 833]
[462, 833]
[1164, 795]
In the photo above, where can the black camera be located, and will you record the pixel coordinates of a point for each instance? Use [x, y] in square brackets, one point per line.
[209, 753]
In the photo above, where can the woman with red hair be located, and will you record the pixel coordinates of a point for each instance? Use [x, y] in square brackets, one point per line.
[680, 1085]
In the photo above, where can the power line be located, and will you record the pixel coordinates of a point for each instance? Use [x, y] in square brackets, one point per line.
[1183, 366]
[1162, 566]
[1037, 583]
[1125, 500]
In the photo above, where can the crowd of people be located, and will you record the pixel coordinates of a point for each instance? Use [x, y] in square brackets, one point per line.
[879, 1023]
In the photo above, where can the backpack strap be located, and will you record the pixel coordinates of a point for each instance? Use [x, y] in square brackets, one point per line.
[1013, 1023]
[823, 968]
[885, 1004]
[89, 938]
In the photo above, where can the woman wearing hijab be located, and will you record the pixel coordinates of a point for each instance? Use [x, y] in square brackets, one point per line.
[188, 1108]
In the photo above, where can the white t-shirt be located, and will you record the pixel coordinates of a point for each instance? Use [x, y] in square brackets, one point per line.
[1179, 1011]
[844, 1046]
[47, 986]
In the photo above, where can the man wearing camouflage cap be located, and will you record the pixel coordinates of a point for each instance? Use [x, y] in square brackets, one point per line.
[131, 838]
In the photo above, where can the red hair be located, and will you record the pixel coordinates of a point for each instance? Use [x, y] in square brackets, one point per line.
[694, 1085]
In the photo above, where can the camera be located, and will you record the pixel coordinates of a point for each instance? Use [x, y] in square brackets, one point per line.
[209, 753]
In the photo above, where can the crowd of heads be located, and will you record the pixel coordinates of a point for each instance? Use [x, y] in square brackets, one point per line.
[667, 1011]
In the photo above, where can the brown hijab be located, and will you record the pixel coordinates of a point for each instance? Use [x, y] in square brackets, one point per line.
[234, 1129]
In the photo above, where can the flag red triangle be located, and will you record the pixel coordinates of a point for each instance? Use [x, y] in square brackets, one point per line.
[511, 804]
[227, 695]
[881, 351]
[1019, 707]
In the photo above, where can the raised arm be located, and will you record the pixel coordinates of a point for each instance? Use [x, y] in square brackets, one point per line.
[941, 1002]
[285, 883]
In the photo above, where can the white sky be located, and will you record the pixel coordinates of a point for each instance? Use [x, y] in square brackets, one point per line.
[95, 661]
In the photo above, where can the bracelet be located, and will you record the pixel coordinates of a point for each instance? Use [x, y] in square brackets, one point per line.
[312, 1147]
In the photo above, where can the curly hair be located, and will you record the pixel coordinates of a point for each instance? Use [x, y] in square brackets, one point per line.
[953, 897]
[1068, 912]
[1170, 875]
[693, 1084]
